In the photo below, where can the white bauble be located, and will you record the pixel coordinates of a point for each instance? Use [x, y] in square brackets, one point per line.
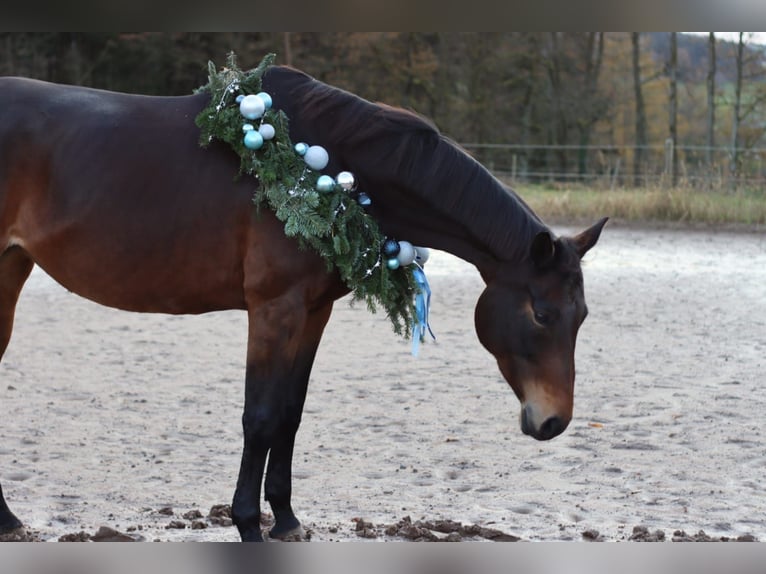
[316, 157]
[406, 253]
[252, 107]
[267, 131]
[421, 255]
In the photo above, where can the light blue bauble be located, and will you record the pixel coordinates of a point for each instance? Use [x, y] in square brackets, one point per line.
[364, 199]
[267, 131]
[392, 263]
[406, 253]
[301, 148]
[316, 157]
[247, 128]
[252, 107]
[266, 99]
[325, 183]
[239, 98]
[421, 255]
[253, 140]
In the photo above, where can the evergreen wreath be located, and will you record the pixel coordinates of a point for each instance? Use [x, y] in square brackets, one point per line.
[324, 215]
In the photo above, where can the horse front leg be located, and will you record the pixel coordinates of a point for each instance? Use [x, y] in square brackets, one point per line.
[283, 339]
[279, 472]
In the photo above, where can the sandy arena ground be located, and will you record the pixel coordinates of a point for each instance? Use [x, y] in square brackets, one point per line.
[110, 417]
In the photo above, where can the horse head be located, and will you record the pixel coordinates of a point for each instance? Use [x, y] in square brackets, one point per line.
[528, 317]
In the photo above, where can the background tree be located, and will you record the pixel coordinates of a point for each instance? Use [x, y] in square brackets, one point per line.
[673, 119]
[737, 116]
[641, 140]
[710, 131]
[591, 106]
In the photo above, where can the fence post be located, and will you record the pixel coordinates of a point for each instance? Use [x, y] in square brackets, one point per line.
[669, 157]
[513, 168]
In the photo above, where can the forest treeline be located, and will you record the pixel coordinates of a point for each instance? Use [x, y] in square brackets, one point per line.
[566, 93]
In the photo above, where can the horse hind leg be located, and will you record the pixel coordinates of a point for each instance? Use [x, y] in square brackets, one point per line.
[15, 267]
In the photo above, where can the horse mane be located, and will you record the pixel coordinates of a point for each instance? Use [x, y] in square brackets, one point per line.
[404, 151]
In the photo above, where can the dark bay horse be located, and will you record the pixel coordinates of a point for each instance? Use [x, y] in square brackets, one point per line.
[112, 195]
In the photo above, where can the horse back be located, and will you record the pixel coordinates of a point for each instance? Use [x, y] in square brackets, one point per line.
[112, 195]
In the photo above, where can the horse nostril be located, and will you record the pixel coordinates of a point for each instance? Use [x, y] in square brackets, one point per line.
[553, 426]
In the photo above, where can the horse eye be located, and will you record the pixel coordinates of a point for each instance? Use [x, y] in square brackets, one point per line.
[542, 318]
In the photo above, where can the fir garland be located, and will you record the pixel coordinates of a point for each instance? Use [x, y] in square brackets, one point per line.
[332, 223]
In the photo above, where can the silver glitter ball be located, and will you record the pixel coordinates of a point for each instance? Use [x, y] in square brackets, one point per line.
[346, 180]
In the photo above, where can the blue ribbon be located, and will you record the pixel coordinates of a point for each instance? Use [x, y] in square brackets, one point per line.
[422, 307]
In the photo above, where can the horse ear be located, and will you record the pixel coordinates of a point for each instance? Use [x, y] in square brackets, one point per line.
[543, 249]
[588, 238]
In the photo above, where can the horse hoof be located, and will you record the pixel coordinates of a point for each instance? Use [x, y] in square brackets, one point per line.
[252, 535]
[293, 533]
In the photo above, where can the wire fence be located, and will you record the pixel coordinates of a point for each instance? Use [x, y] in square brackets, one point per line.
[703, 167]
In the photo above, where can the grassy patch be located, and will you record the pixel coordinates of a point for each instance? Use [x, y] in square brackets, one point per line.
[677, 205]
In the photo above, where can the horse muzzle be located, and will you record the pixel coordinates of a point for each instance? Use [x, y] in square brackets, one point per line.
[539, 426]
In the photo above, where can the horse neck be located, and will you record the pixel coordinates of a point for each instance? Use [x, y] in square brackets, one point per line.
[424, 188]
[452, 203]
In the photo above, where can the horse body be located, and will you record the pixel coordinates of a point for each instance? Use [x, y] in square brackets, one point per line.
[113, 197]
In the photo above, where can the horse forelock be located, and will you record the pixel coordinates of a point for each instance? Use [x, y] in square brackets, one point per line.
[407, 153]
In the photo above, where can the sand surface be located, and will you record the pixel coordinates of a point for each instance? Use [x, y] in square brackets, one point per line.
[109, 417]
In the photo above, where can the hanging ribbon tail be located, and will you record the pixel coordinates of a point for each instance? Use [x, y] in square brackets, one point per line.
[422, 308]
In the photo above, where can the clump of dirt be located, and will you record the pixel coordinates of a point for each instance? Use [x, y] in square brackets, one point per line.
[365, 529]
[431, 531]
[220, 515]
[176, 525]
[642, 534]
[103, 534]
[81, 536]
[21, 535]
[592, 536]
[682, 536]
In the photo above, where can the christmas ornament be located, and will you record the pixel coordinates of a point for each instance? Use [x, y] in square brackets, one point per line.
[325, 183]
[301, 148]
[406, 253]
[252, 107]
[247, 128]
[391, 248]
[346, 180]
[267, 131]
[239, 98]
[253, 140]
[393, 263]
[364, 199]
[421, 255]
[316, 157]
[266, 99]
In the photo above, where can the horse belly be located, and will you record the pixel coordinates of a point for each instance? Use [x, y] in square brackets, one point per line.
[170, 280]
